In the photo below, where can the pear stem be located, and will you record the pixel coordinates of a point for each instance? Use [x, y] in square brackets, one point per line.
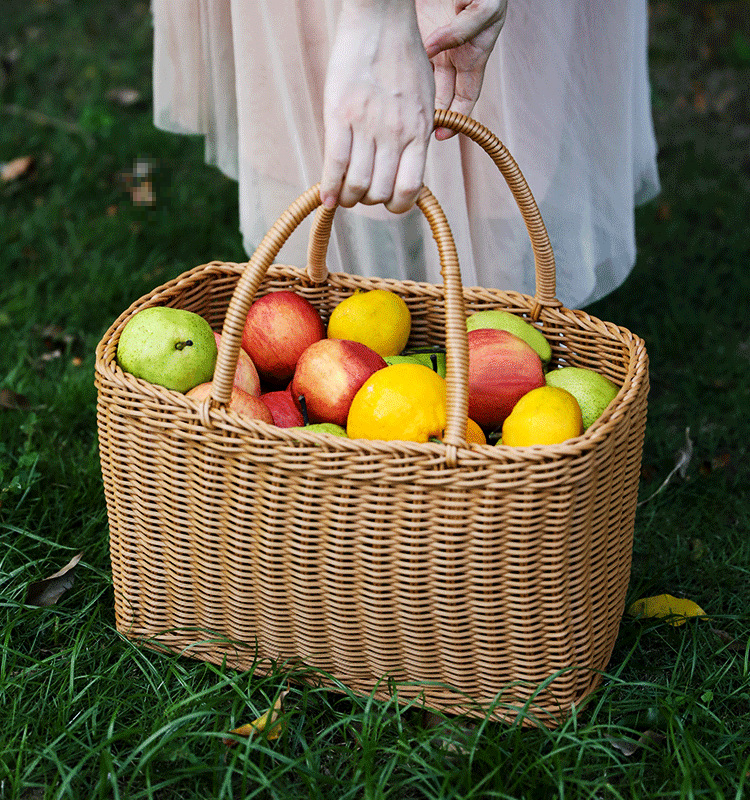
[183, 345]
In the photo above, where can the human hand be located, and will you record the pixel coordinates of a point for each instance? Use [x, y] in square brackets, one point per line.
[379, 107]
[458, 36]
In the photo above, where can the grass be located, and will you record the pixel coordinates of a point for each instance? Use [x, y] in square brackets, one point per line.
[86, 714]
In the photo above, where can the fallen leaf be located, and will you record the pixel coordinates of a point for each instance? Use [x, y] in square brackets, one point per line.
[625, 746]
[49, 590]
[664, 606]
[124, 97]
[54, 337]
[729, 640]
[267, 723]
[629, 746]
[16, 168]
[137, 182]
[718, 462]
[143, 194]
[13, 400]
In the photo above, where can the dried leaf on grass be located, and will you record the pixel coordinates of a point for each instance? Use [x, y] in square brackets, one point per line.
[56, 342]
[664, 606]
[13, 400]
[684, 455]
[49, 590]
[729, 640]
[629, 747]
[721, 461]
[143, 194]
[16, 168]
[268, 724]
[137, 182]
[124, 97]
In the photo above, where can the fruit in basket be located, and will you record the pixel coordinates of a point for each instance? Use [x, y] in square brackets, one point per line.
[546, 415]
[400, 402]
[505, 321]
[245, 375]
[328, 375]
[324, 427]
[242, 403]
[167, 346]
[278, 328]
[378, 318]
[592, 390]
[283, 409]
[502, 368]
[434, 360]
[474, 434]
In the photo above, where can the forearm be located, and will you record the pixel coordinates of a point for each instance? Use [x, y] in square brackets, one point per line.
[379, 106]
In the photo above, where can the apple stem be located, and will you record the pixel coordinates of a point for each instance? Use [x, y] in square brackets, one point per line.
[303, 407]
[433, 360]
[183, 345]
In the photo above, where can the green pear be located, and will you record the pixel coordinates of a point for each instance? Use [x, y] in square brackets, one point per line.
[505, 321]
[322, 427]
[593, 391]
[170, 347]
[419, 358]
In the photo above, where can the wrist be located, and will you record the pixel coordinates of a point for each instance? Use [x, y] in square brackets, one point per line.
[378, 12]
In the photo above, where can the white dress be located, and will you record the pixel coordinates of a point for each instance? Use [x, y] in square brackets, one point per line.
[566, 89]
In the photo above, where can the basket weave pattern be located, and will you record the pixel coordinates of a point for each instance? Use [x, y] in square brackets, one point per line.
[453, 570]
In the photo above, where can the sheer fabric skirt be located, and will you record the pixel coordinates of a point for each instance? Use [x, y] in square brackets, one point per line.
[566, 89]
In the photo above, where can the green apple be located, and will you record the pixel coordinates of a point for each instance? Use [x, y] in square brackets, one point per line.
[505, 321]
[322, 427]
[170, 347]
[420, 358]
[593, 391]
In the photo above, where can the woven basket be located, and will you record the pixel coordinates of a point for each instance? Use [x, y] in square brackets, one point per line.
[481, 579]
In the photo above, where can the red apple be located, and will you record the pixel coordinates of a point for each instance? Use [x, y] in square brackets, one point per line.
[329, 373]
[244, 404]
[283, 408]
[502, 368]
[246, 376]
[278, 328]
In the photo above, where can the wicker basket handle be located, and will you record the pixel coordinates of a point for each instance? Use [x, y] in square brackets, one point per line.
[544, 259]
[456, 343]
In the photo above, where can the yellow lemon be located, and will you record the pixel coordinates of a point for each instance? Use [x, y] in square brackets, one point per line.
[378, 318]
[545, 415]
[402, 401]
[474, 434]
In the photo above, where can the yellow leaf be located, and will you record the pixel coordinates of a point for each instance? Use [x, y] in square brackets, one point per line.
[663, 606]
[267, 723]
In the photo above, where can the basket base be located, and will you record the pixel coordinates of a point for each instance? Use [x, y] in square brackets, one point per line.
[516, 704]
